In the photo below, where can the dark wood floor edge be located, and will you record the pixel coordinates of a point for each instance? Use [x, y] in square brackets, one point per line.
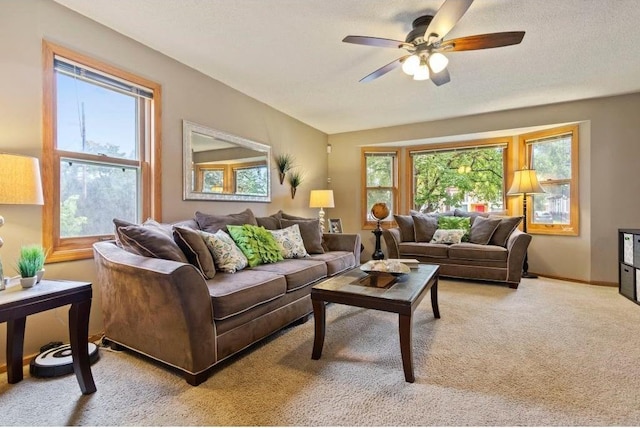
[581, 281]
[27, 360]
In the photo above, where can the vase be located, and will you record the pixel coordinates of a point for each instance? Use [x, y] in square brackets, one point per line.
[39, 275]
[281, 175]
[293, 192]
[28, 282]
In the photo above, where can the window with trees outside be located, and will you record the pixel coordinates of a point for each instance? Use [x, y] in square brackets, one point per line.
[469, 177]
[380, 182]
[101, 151]
[553, 154]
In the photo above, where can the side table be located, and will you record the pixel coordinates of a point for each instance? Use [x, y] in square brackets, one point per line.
[17, 303]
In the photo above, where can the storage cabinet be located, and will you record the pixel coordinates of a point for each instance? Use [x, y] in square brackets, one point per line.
[629, 260]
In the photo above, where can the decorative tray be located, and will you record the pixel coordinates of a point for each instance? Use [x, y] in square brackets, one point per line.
[390, 267]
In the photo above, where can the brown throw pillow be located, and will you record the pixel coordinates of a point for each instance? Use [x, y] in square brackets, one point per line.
[192, 245]
[424, 226]
[505, 229]
[212, 223]
[269, 223]
[482, 230]
[405, 223]
[291, 217]
[149, 242]
[310, 232]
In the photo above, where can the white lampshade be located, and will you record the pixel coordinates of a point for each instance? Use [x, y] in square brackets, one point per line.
[525, 181]
[321, 199]
[438, 62]
[20, 181]
[411, 64]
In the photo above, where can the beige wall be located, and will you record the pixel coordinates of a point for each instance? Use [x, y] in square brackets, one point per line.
[187, 94]
[609, 152]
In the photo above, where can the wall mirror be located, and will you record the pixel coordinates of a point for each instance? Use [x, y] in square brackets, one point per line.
[224, 167]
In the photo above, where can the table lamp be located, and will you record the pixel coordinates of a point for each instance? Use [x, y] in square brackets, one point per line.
[20, 184]
[321, 199]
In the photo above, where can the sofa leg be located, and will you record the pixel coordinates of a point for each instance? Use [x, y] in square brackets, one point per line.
[302, 320]
[195, 379]
[514, 284]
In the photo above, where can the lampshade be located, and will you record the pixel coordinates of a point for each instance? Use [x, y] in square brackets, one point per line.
[321, 199]
[20, 181]
[411, 64]
[525, 181]
[438, 62]
[422, 73]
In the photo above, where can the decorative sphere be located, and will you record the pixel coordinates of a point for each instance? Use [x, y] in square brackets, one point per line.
[380, 211]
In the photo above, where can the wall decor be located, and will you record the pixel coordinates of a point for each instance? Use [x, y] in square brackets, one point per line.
[284, 163]
[295, 179]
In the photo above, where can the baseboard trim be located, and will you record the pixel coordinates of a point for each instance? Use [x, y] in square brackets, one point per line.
[581, 281]
[27, 360]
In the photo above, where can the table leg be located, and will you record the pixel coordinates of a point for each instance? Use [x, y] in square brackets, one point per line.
[15, 347]
[434, 299]
[319, 315]
[406, 348]
[78, 334]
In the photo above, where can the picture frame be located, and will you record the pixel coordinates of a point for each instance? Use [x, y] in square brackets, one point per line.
[335, 225]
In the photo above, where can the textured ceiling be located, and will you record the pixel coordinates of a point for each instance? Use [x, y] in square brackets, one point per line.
[289, 53]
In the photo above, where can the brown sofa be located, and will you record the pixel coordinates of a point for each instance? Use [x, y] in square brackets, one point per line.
[499, 259]
[169, 311]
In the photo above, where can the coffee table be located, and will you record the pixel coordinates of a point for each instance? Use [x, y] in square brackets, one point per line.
[401, 296]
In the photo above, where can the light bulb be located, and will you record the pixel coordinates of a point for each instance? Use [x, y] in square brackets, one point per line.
[422, 73]
[411, 64]
[438, 62]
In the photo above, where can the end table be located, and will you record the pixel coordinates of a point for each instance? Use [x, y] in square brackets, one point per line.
[17, 303]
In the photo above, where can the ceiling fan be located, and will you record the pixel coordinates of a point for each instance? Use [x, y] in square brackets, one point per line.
[425, 44]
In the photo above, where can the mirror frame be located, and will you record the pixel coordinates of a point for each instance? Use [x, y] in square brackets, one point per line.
[188, 128]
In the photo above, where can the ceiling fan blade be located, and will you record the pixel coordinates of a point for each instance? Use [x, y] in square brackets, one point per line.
[384, 70]
[482, 41]
[446, 18]
[374, 41]
[439, 78]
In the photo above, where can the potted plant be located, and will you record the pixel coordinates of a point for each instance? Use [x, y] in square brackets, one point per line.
[284, 163]
[28, 269]
[295, 179]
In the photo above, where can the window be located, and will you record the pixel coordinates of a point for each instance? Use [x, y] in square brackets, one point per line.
[101, 151]
[553, 154]
[468, 176]
[380, 183]
[251, 179]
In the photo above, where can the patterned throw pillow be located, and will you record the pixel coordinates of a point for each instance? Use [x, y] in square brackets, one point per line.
[447, 236]
[225, 252]
[450, 222]
[257, 244]
[290, 242]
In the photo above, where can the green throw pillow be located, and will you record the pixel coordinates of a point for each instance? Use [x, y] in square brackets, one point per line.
[450, 222]
[256, 243]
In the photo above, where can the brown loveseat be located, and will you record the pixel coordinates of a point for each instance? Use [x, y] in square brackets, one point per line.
[497, 255]
[169, 311]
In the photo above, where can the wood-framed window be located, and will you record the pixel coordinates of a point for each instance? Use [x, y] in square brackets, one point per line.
[553, 154]
[101, 151]
[379, 183]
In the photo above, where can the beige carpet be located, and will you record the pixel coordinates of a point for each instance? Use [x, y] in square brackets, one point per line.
[549, 353]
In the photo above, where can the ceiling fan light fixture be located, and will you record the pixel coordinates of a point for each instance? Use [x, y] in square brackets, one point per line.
[422, 73]
[438, 62]
[411, 65]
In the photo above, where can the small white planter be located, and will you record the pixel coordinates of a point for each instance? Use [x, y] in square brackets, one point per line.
[28, 282]
[39, 276]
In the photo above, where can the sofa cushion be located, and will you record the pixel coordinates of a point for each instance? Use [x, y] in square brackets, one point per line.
[405, 224]
[424, 227]
[425, 249]
[290, 242]
[468, 251]
[150, 242]
[482, 230]
[226, 254]
[504, 230]
[269, 223]
[337, 261]
[298, 272]
[310, 232]
[447, 236]
[192, 245]
[232, 294]
[257, 244]
[212, 223]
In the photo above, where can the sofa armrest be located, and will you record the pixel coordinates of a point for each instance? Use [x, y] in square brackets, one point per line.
[517, 246]
[343, 242]
[158, 307]
[392, 239]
